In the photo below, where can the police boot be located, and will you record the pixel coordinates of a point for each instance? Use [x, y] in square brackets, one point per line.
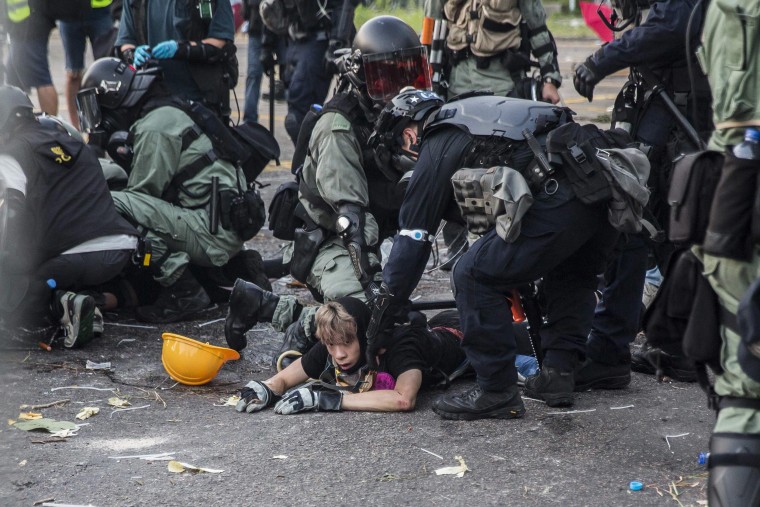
[249, 305]
[655, 361]
[552, 385]
[181, 300]
[734, 466]
[478, 404]
[593, 374]
[295, 344]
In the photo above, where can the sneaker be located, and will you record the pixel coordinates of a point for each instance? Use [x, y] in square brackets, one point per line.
[77, 319]
[553, 386]
[654, 361]
[594, 375]
[479, 404]
[97, 322]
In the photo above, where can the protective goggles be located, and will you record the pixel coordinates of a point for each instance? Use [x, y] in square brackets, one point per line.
[88, 109]
[385, 74]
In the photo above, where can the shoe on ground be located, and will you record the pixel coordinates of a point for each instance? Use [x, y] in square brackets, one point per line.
[77, 319]
[98, 325]
[654, 361]
[594, 375]
[249, 305]
[478, 404]
[553, 386]
[180, 301]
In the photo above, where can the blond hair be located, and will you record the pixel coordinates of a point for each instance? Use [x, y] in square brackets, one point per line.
[334, 324]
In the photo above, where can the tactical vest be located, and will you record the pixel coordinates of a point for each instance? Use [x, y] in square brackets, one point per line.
[66, 193]
[485, 27]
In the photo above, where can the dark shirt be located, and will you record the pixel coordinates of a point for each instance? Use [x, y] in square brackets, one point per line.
[411, 349]
[170, 20]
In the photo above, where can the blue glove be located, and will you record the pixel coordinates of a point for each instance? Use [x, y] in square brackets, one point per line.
[142, 55]
[165, 50]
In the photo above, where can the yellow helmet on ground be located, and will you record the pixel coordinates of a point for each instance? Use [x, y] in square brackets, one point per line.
[191, 362]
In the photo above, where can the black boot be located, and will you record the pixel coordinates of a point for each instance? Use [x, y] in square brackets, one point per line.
[180, 301]
[295, 344]
[553, 386]
[734, 472]
[655, 361]
[479, 404]
[249, 305]
[597, 375]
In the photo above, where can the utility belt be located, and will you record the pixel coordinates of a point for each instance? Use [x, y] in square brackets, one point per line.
[515, 61]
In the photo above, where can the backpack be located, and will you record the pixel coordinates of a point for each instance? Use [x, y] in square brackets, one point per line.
[627, 171]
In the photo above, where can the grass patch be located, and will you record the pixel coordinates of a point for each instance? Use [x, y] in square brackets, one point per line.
[560, 24]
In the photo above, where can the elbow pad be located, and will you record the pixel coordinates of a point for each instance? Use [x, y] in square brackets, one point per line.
[202, 52]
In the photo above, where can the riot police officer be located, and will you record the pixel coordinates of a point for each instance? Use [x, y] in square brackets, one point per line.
[656, 52]
[561, 239]
[172, 165]
[349, 197]
[315, 30]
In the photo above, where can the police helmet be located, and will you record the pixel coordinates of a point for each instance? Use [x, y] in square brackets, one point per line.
[387, 56]
[109, 85]
[14, 103]
[62, 126]
[410, 105]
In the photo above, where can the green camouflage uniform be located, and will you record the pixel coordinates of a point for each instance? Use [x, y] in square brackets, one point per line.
[729, 56]
[334, 172]
[178, 234]
[465, 76]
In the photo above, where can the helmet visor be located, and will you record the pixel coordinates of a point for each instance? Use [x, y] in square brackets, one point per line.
[387, 73]
[88, 109]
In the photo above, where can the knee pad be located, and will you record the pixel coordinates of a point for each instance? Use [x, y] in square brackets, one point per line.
[734, 466]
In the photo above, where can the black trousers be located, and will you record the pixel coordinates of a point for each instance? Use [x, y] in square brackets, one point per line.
[562, 240]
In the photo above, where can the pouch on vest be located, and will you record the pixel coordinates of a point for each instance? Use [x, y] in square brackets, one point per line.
[244, 213]
[692, 187]
[283, 221]
[308, 239]
[260, 147]
[627, 171]
[573, 147]
[475, 199]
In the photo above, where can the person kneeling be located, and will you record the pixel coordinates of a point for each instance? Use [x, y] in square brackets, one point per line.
[418, 357]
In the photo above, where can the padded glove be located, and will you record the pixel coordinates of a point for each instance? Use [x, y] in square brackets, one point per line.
[142, 55]
[586, 78]
[255, 396]
[165, 50]
[305, 398]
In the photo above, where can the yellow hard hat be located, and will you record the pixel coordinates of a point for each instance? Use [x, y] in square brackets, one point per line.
[191, 362]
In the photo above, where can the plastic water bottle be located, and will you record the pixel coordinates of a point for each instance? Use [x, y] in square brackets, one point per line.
[750, 148]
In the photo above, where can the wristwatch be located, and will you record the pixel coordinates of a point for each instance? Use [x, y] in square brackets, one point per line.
[552, 81]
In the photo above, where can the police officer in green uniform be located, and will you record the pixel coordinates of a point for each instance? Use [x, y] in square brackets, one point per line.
[349, 196]
[729, 56]
[489, 45]
[168, 193]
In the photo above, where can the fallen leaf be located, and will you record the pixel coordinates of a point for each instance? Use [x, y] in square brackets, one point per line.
[118, 402]
[64, 433]
[87, 412]
[11, 422]
[178, 467]
[50, 425]
[29, 416]
[457, 470]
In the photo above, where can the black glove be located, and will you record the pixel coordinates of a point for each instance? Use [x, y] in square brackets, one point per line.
[330, 66]
[386, 313]
[586, 78]
[255, 396]
[306, 398]
[267, 60]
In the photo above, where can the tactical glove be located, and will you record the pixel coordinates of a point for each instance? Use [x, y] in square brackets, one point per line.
[305, 398]
[586, 78]
[142, 55]
[255, 396]
[330, 66]
[165, 50]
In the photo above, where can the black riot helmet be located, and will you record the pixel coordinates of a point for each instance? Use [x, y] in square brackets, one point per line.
[14, 104]
[110, 92]
[386, 56]
[386, 141]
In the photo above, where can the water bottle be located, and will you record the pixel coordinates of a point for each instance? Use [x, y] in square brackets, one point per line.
[750, 148]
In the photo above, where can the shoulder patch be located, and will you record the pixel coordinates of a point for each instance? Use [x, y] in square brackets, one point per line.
[340, 122]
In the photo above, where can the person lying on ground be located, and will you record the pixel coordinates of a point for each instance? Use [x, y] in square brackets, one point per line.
[420, 356]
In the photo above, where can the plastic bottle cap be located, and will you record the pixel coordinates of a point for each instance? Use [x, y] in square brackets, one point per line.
[51, 283]
[636, 486]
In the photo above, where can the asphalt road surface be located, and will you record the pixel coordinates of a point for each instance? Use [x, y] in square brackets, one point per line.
[587, 455]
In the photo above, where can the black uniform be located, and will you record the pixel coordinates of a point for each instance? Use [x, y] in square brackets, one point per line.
[563, 240]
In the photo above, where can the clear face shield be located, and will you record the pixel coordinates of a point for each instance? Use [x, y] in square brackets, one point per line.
[88, 109]
[387, 73]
